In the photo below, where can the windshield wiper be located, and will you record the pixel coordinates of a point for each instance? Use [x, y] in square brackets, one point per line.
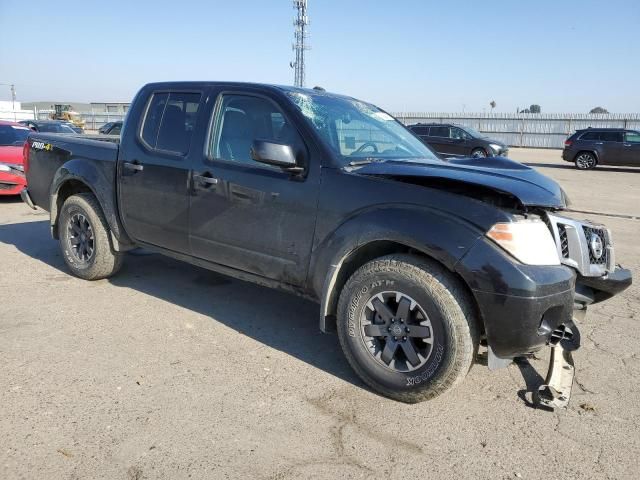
[365, 161]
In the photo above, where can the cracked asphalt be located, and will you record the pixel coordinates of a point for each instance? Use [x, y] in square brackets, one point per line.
[168, 371]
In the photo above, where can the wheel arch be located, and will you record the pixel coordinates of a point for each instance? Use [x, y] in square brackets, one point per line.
[362, 241]
[587, 150]
[76, 177]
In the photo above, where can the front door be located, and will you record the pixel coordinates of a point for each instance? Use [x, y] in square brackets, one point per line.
[153, 171]
[247, 215]
[460, 142]
[631, 149]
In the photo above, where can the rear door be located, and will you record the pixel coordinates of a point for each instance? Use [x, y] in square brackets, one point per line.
[631, 149]
[610, 148]
[440, 140]
[154, 169]
[244, 214]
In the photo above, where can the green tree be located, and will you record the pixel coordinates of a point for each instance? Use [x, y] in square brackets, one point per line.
[599, 110]
[535, 108]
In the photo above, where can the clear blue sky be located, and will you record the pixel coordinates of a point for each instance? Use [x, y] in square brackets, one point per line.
[404, 55]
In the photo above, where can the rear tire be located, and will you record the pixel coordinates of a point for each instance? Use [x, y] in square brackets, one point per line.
[586, 161]
[84, 239]
[479, 153]
[400, 304]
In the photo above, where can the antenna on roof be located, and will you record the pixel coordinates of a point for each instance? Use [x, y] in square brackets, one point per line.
[300, 46]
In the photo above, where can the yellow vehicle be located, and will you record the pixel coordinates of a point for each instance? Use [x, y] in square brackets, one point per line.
[64, 112]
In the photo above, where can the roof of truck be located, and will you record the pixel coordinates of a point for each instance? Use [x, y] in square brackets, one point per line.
[284, 88]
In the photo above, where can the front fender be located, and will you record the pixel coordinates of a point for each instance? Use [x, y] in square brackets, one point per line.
[393, 227]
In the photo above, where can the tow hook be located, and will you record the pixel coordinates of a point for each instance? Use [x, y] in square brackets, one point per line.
[556, 391]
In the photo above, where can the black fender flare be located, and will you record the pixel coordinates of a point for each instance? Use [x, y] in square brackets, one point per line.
[428, 231]
[103, 188]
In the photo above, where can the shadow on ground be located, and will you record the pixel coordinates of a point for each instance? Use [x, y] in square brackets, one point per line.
[276, 319]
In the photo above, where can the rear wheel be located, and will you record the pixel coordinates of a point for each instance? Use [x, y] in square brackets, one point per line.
[479, 153]
[407, 327]
[586, 161]
[84, 239]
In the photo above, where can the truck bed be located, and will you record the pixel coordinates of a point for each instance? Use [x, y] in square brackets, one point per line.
[49, 151]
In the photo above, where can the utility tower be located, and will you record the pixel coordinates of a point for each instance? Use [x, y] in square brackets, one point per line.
[300, 41]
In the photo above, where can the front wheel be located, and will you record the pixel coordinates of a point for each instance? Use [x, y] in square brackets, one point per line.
[407, 327]
[84, 239]
[479, 153]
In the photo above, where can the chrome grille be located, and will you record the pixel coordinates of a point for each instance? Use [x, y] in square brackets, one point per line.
[564, 242]
[585, 246]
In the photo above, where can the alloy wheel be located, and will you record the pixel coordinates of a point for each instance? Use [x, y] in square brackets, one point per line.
[397, 331]
[585, 161]
[81, 237]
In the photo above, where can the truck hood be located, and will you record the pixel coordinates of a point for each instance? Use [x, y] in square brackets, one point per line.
[498, 174]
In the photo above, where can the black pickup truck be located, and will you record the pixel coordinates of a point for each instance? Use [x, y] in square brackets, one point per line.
[414, 260]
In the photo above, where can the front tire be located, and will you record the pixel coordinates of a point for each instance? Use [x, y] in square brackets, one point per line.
[479, 153]
[407, 327]
[84, 239]
[586, 161]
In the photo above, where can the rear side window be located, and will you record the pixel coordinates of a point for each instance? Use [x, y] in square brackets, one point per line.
[170, 121]
[153, 117]
[590, 136]
[422, 131]
[439, 132]
[611, 136]
[178, 122]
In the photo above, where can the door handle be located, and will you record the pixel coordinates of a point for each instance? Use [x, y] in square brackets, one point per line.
[206, 179]
[133, 166]
[627, 144]
[598, 143]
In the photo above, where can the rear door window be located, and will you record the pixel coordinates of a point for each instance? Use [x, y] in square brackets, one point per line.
[170, 121]
[421, 130]
[611, 136]
[442, 132]
[153, 117]
[178, 122]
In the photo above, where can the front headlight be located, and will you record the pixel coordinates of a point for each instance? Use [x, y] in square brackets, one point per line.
[495, 147]
[4, 167]
[529, 241]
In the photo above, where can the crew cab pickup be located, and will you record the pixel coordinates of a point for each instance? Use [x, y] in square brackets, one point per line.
[414, 260]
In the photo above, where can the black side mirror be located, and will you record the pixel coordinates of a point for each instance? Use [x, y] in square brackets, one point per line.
[276, 154]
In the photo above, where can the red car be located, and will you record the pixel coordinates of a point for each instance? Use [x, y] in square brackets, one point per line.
[12, 139]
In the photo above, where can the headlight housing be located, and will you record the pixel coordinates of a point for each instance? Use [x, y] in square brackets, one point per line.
[495, 147]
[528, 240]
